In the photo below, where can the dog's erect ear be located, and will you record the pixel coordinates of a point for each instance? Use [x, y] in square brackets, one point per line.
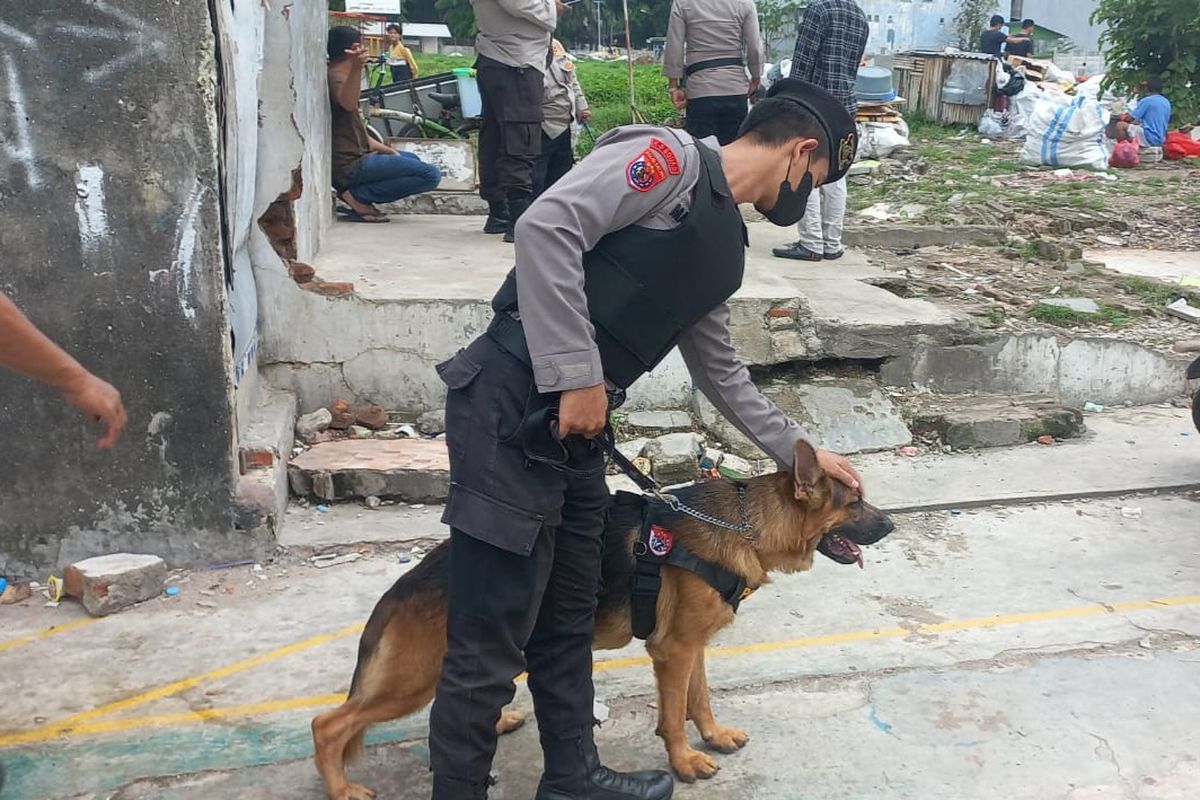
[805, 469]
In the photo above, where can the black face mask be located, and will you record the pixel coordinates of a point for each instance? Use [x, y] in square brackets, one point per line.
[789, 207]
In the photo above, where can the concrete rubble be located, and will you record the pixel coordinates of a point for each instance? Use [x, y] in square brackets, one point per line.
[413, 470]
[674, 457]
[969, 422]
[107, 584]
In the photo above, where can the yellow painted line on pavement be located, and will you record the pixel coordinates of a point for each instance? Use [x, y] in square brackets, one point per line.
[21, 641]
[80, 724]
[57, 729]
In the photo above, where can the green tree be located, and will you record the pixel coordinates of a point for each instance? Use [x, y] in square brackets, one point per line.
[1154, 37]
[775, 19]
[969, 22]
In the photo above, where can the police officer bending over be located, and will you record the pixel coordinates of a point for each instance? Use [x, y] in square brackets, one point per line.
[633, 252]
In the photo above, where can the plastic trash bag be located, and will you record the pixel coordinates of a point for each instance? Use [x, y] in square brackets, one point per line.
[1066, 135]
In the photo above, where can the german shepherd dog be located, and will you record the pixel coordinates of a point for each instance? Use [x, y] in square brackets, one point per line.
[793, 515]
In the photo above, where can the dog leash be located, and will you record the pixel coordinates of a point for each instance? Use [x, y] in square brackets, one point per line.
[652, 487]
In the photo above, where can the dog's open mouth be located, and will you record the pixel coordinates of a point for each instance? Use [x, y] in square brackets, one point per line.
[840, 549]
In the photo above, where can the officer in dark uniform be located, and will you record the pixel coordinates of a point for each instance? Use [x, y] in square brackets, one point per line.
[632, 253]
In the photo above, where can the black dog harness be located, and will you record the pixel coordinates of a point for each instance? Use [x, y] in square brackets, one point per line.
[656, 546]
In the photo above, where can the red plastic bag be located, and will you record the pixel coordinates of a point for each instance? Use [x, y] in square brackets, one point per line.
[1125, 155]
[1180, 145]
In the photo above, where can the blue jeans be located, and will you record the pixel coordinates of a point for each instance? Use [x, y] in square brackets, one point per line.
[380, 178]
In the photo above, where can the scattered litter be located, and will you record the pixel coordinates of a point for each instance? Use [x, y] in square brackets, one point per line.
[909, 452]
[417, 506]
[1046, 439]
[407, 431]
[172, 591]
[332, 560]
[3, 584]
[956, 512]
[599, 711]
[1131, 512]
[54, 586]
[404, 559]
[322, 508]
[1094, 408]
[416, 550]
[232, 564]
[1184, 311]
[373, 502]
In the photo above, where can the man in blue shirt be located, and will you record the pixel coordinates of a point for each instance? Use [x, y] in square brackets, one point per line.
[1147, 123]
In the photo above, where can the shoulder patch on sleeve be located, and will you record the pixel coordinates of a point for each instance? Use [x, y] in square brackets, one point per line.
[644, 172]
[668, 155]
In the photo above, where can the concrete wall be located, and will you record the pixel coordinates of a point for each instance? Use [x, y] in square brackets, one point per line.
[295, 134]
[110, 237]
[1068, 17]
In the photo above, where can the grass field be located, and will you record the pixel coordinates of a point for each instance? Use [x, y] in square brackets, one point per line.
[606, 85]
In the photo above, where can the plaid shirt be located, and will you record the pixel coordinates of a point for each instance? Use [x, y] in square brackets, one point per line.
[830, 43]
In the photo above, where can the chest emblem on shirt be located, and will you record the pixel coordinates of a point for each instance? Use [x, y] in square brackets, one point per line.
[644, 172]
[660, 542]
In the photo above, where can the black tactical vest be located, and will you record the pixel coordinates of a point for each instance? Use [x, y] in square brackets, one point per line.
[645, 287]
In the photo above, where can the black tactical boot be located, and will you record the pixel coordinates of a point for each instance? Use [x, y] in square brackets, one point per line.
[497, 218]
[518, 201]
[574, 772]
[451, 789]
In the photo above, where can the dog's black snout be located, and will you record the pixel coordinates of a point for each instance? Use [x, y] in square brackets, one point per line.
[888, 525]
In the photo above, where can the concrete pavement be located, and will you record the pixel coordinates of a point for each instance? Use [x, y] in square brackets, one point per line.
[1036, 651]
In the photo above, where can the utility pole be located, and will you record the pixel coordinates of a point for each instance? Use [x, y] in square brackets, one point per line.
[598, 4]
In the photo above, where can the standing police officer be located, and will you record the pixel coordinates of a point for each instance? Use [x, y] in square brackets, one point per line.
[631, 253]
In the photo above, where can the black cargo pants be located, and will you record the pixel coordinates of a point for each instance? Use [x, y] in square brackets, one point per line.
[510, 130]
[524, 566]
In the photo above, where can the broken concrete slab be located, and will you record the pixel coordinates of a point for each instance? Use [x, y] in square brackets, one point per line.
[454, 203]
[1164, 265]
[418, 303]
[912, 235]
[846, 415]
[1080, 305]
[107, 584]
[413, 470]
[653, 422]
[313, 423]
[969, 422]
[674, 457]
[1183, 310]
[1105, 371]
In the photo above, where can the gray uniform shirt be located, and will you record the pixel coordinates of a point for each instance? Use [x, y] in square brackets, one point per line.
[605, 192]
[563, 99]
[515, 32]
[700, 30]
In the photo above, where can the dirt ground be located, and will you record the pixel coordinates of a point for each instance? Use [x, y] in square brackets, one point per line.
[1050, 218]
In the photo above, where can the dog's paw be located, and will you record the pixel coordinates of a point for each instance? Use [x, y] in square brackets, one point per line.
[691, 764]
[727, 740]
[354, 791]
[510, 720]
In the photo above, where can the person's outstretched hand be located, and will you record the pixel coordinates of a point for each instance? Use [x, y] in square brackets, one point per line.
[100, 401]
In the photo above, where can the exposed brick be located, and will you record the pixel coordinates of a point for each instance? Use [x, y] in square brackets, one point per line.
[256, 458]
[372, 416]
[329, 288]
[781, 312]
[278, 223]
[343, 416]
[297, 186]
[107, 584]
[301, 272]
